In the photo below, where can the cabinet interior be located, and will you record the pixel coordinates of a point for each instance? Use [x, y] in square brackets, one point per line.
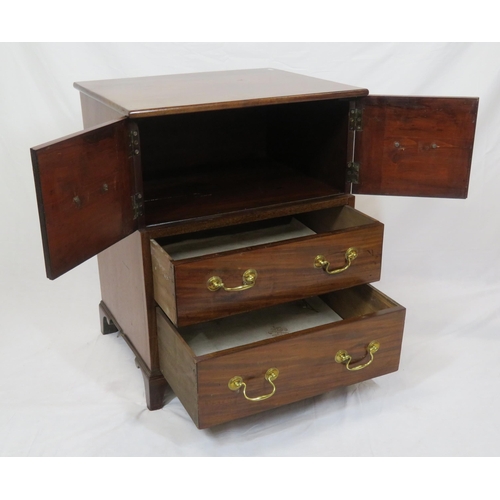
[225, 161]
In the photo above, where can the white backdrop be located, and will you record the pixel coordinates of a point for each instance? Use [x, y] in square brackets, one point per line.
[66, 390]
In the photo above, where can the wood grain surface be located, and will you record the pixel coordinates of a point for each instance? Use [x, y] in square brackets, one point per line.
[416, 146]
[285, 270]
[186, 93]
[305, 360]
[84, 184]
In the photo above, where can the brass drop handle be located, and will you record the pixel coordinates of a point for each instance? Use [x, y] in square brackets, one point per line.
[249, 278]
[237, 382]
[321, 262]
[345, 358]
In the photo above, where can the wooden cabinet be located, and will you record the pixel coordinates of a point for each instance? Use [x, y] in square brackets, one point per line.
[220, 206]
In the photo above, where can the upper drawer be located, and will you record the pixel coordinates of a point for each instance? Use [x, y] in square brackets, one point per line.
[217, 275]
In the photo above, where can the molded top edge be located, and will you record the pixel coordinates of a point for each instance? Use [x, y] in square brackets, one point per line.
[186, 93]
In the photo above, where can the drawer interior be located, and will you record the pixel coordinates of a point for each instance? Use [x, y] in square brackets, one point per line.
[200, 164]
[263, 233]
[271, 322]
[241, 330]
[246, 237]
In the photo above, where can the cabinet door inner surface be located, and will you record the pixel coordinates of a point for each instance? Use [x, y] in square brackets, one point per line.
[415, 146]
[84, 185]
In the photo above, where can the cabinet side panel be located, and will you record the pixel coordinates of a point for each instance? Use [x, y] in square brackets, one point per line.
[121, 267]
[121, 273]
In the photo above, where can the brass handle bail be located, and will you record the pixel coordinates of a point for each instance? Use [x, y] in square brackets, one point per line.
[237, 382]
[249, 278]
[343, 357]
[350, 255]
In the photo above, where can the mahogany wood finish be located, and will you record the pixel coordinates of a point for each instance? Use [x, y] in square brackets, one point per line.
[285, 270]
[226, 190]
[210, 153]
[416, 146]
[200, 141]
[227, 219]
[125, 277]
[358, 301]
[122, 278]
[178, 365]
[311, 138]
[164, 281]
[305, 360]
[84, 183]
[233, 160]
[156, 387]
[187, 93]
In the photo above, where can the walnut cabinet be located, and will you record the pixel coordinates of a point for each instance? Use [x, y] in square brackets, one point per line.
[221, 208]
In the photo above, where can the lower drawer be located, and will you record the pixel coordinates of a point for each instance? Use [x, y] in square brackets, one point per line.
[241, 365]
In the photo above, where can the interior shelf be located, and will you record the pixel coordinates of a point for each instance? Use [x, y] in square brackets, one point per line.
[228, 188]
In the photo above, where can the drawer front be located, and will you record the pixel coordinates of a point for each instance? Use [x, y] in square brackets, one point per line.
[284, 272]
[308, 362]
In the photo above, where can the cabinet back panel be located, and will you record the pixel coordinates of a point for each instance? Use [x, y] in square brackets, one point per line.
[311, 137]
[173, 144]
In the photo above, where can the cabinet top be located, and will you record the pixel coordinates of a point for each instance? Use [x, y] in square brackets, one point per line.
[187, 93]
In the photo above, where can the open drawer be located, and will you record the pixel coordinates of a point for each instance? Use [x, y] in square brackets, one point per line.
[241, 365]
[217, 274]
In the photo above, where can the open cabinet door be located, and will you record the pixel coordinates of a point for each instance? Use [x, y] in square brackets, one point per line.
[84, 184]
[415, 146]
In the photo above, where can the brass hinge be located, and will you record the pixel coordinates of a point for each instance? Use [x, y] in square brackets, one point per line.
[352, 174]
[356, 120]
[137, 205]
[134, 142]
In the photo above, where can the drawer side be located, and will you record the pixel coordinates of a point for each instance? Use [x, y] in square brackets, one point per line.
[177, 364]
[164, 281]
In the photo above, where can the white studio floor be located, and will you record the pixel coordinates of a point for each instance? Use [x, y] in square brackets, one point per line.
[66, 390]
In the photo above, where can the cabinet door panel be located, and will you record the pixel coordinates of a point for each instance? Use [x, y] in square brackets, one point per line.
[84, 185]
[415, 146]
